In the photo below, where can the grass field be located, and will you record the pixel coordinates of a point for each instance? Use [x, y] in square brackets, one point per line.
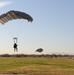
[36, 66]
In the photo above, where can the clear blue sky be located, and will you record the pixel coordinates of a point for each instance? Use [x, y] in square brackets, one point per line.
[52, 28]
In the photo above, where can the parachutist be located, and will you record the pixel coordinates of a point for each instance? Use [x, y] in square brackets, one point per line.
[13, 15]
[15, 47]
[15, 44]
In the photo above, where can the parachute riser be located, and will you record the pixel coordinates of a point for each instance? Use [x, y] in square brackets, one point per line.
[15, 40]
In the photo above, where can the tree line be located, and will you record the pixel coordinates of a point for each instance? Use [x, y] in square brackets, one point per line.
[35, 55]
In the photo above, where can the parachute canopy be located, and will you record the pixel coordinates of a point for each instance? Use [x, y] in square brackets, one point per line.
[39, 50]
[11, 15]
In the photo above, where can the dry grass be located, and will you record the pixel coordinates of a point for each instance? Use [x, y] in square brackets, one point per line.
[36, 66]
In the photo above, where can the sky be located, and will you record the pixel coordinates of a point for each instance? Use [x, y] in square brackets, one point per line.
[52, 28]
